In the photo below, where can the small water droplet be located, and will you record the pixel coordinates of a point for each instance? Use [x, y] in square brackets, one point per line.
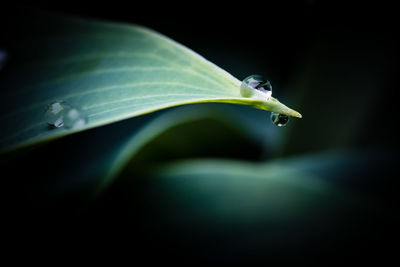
[60, 113]
[256, 83]
[279, 119]
[74, 118]
[55, 113]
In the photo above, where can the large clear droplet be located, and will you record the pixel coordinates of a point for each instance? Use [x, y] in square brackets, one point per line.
[258, 83]
[279, 119]
[74, 118]
[60, 113]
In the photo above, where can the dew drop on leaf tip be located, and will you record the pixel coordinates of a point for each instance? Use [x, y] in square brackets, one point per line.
[256, 85]
[60, 113]
[279, 119]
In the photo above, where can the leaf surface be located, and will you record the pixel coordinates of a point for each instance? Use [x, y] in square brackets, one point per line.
[110, 71]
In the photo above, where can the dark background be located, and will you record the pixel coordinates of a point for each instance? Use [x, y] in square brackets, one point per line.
[336, 62]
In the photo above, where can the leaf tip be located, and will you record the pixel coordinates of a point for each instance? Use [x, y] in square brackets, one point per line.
[297, 115]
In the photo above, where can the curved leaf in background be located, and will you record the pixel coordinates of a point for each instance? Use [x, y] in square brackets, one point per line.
[287, 206]
[83, 166]
[110, 71]
[190, 120]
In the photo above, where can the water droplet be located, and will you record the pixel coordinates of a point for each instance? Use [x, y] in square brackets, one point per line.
[55, 113]
[60, 113]
[256, 84]
[74, 118]
[3, 58]
[279, 119]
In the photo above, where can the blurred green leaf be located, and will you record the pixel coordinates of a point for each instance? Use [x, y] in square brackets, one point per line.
[82, 166]
[312, 187]
[182, 133]
[287, 189]
[287, 204]
[111, 71]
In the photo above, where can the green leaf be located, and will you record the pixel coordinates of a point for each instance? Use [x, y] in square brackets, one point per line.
[111, 71]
